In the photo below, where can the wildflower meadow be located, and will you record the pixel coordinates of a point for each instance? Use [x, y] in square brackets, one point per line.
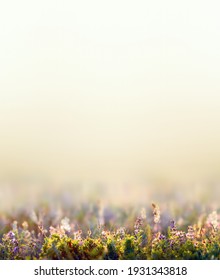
[93, 230]
[109, 130]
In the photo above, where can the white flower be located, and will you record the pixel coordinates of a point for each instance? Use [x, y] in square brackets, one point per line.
[65, 224]
[34, 217]
[213, 219]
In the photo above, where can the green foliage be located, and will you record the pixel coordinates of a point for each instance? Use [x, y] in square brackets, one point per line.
[112, 252]
[195, 249]
[93, 249]
[129, 248]
[139, 241]
[58, 247]
[66, 248]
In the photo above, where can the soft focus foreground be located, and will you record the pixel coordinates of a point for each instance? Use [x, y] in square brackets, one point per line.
[138, 222]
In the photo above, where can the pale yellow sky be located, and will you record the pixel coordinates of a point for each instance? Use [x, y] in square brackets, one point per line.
[110, 90]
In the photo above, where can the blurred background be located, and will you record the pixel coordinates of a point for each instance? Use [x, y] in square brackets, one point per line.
[114, 99]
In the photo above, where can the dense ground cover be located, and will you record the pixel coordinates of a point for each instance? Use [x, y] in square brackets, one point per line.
[93, 231]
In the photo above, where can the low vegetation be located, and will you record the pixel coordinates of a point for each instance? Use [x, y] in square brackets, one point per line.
[94, 233]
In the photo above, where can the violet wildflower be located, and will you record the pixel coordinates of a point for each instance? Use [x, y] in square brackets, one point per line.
[16, 250]
[158, 237]
[181, 236]
[173, 226]
[15, 242]
[191, 233]
[11, 235]
[137, 225]
[162, 237]
[78, 235]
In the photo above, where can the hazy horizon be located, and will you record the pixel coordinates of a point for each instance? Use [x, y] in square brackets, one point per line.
[124, 91]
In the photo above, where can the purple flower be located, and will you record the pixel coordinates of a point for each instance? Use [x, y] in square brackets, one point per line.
[162, 237]
[172, 224]
[15, 250]
[15, 242]
[11, 235]
[191, 233]
[138, 223]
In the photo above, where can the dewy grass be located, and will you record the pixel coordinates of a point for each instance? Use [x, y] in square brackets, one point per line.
[79, 235]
